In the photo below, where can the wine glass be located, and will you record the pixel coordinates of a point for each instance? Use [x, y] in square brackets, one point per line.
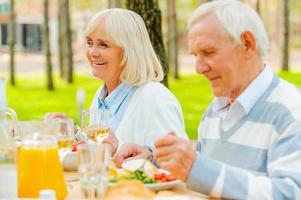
[95, 124]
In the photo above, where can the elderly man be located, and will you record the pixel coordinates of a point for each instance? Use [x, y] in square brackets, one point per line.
[250, 135]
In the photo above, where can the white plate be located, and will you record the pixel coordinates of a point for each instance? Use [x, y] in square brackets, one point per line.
[70, 161]
[159, 186]
[163, 186]
[70, 164]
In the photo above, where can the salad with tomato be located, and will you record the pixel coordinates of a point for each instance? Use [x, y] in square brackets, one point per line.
[145, 172]
[74, 146]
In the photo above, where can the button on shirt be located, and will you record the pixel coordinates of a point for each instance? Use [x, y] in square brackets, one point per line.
[116, 102]
[244, 102]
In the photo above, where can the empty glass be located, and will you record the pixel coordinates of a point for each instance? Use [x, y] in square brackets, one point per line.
[94, 162]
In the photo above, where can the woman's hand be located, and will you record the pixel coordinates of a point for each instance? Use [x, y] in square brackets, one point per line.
[57, 115]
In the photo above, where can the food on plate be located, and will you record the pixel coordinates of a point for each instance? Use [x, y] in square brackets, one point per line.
[163, 177]
[129, 190]
[133, 165]
[74, 147]
[139, 169]
[150, 169]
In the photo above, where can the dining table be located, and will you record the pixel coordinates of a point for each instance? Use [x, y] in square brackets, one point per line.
[179, 192]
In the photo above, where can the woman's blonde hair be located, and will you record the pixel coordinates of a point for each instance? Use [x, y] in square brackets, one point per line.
[127, 30]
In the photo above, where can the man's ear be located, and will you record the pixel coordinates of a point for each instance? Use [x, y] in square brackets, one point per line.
[248, 41]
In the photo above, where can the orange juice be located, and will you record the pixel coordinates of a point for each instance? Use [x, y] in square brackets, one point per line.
[39, 168]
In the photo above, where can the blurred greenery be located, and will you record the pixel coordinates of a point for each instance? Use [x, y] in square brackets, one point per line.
[31, 100]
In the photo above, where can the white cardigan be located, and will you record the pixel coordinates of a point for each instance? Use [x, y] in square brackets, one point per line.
[153, 111]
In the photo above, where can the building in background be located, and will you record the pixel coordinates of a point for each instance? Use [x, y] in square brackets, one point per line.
[29, 21]
[29, 24]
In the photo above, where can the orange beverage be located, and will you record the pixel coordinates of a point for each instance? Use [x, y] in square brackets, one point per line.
[39, 168]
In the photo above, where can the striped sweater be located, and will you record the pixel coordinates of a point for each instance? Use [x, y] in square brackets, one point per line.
[259, 157]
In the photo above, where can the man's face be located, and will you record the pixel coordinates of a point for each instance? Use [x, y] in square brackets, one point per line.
[217, 58]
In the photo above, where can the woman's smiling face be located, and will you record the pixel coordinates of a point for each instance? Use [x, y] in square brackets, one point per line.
[104, 56]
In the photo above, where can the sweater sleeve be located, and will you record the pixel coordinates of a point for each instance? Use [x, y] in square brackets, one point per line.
[282, 180]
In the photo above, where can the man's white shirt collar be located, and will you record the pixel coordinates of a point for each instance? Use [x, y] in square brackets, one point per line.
[249, 96]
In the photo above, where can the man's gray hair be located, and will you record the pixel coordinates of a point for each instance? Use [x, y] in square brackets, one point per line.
[236, 17]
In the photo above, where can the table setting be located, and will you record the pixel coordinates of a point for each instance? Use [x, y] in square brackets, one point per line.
[50, 160]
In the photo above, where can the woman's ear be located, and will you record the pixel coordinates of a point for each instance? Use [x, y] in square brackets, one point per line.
[248, 41]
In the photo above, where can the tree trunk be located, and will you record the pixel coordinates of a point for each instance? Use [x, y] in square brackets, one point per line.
[151, 14]
[61, 38]
[258, 7]
[69, 52]
[285, 48]
[114, 3]
[47, 48]
[172, 42]
[11, 41]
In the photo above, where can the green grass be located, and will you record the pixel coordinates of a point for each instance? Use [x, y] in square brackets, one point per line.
[31, 100]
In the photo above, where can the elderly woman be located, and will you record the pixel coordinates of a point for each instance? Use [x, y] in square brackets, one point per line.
[120, 53]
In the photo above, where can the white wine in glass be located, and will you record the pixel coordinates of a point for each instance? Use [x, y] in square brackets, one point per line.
[95, 124]
[97, 134]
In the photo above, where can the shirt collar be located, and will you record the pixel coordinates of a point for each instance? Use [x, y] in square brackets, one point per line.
[219, 103]
[114, 100]
[250, 95]
[255, 89]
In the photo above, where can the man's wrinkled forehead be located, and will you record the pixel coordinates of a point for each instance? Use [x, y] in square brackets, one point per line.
[207, 25]
[200, 25]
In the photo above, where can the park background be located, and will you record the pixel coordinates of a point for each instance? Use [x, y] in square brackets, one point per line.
[42, 51]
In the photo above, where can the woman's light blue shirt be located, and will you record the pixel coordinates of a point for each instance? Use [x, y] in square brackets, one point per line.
[116, 102]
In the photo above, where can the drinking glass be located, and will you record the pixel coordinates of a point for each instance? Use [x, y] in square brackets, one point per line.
[65, 134]
[11, 123]
[36, 126]
[94, 161]
[8, 172]
[95, 124]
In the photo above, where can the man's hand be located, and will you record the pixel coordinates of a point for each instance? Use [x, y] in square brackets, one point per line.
[175, 155]
[112, 141]
[130, 151]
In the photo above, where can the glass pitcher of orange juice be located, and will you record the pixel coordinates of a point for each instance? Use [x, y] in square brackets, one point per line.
[39, 167]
